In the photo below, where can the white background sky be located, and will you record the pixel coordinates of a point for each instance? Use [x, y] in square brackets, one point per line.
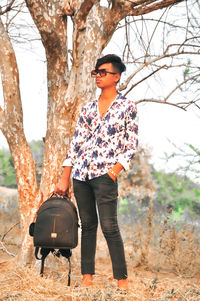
[157, 123]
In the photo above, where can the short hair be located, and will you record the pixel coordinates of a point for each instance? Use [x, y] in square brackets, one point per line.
[114, 60]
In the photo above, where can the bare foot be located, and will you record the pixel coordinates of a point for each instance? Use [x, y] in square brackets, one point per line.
[87, 280]
[123, 284]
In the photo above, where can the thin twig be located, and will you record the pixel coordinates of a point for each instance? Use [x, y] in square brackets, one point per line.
[160, 101]
[5, 250]
[9, 231]
[8, 8]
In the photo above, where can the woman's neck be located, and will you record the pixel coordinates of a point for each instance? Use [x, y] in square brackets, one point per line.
[108, 94]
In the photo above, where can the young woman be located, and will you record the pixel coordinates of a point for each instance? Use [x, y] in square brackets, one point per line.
[104, 143]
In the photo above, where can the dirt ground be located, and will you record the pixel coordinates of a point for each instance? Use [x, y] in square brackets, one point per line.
[25, 283]
[150, 279]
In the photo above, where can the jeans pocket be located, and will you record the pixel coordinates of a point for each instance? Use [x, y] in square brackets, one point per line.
[107, 176]
[108, 186]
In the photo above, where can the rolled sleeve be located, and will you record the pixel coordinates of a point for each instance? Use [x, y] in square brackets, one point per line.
[123, 162]
[67, 162]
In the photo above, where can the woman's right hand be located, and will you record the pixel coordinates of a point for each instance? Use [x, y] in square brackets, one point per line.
[62, 187]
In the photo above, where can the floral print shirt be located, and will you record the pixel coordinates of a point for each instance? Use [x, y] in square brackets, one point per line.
[99, 143]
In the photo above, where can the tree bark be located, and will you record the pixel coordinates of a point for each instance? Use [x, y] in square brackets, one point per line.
[11, 124]
[93, 27]
[66, 91]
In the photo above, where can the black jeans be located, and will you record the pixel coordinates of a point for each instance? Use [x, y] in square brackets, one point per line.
[101, 193]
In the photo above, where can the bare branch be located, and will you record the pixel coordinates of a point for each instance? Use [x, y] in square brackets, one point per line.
[159, 101]
[153, 33]
[8, 8]
[197, 105]
[145, 7]
[9, 231]
[127, 45]
[175, 26]
[19, 10]
[179, 85]
[141, 7]
[143, 79]
[181, 105]
[84, 11]
[151, 63]
[192, 102]
[5, 250]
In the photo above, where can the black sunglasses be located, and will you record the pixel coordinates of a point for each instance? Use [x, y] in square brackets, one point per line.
[101, 72]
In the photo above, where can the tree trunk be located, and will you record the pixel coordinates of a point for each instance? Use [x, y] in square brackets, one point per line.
[93, 26]
[11, 124]
[66, 91]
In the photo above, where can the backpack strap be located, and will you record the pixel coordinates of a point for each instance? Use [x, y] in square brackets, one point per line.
[36, 253]
[67, 253]
[44, 252]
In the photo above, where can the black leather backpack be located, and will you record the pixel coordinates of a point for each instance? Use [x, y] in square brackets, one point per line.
[55, 229]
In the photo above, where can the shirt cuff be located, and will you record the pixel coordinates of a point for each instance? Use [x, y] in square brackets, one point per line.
[67, 162]
[123, 162]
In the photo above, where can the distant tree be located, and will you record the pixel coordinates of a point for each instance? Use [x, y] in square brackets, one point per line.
[7, 171]
[189, 156]
[69, 82]
[138, 181]
[177, 194]
[164, 48]
[136, 188]
[37, 148]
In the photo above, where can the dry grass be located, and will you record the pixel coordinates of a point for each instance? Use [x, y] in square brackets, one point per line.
[146, 282]
[25, 284]
[163, 264]
[162, 247]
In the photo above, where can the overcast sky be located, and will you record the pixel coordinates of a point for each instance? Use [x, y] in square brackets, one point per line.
[157, 123]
